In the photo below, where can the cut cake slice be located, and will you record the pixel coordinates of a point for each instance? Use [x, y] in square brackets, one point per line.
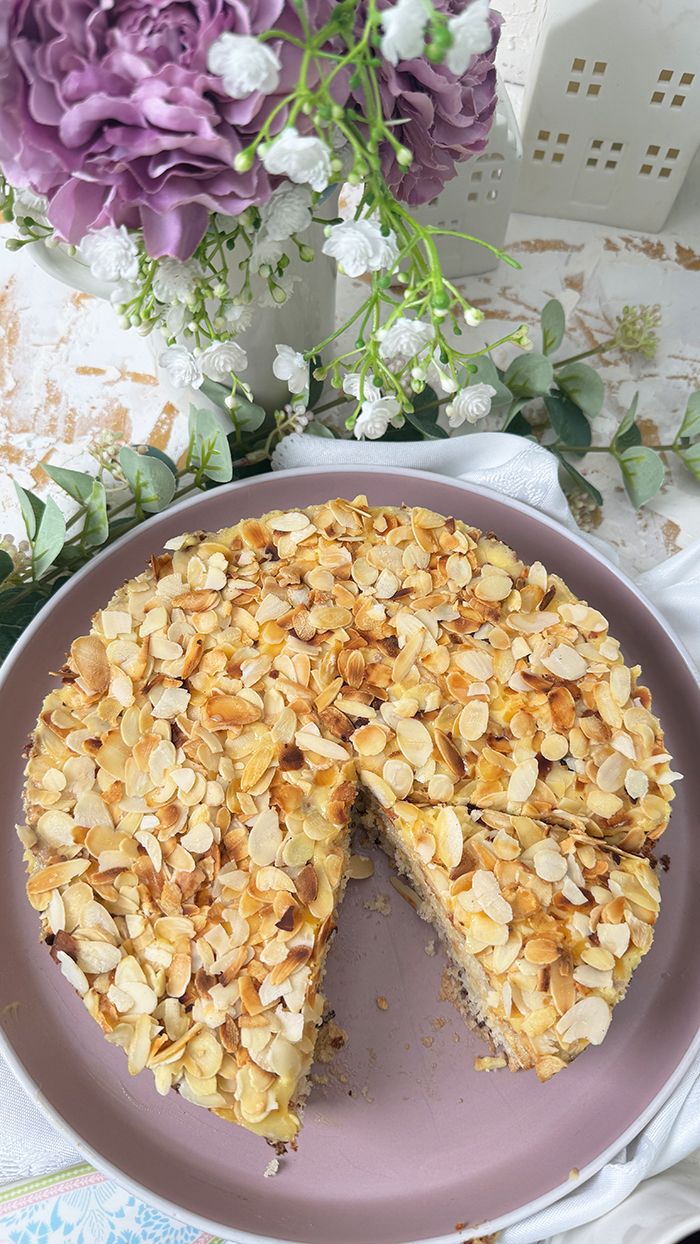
[189, 790]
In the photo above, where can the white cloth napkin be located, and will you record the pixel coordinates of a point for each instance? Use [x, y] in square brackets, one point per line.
[31, 1146]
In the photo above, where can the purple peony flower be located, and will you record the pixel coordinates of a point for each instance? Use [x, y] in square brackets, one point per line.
[108, 109]
[448, 118]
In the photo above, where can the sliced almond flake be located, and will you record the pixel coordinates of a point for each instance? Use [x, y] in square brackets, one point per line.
[72, 972]
[588, 1020]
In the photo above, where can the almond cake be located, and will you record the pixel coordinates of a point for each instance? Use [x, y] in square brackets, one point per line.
[190, 791]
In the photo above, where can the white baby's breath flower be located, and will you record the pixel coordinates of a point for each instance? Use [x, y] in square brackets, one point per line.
[176, 318]
[244, 65]
[27, 203]
[123, 292]
[404, 25]
[376, 412]
[471, 34]
[265, 250]
[283, 285]
[287, 211]
[470, 404]
[303, 159]
[473, 316]
[175, 281]
[439, 377]
[375, 416]
[111, 254]
[360, 246]
[404, 339]
[291, 366]
[182, 367]
[237, 319]
[221, 358]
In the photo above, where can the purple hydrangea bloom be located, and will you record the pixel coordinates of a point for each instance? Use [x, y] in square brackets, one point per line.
[109, 110]
[449, 118]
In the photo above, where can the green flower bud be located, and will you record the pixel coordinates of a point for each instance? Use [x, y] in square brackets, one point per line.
[384, 282]
[306, 253]
[124, 321]
[404, 156]
[72, 250]
[265, 270]
[440, 300]
[135, 319]
[221, 291]
[12, 244]
[51, 243]
[244, 160]
[336, 165]
[278, 294]
[320, 373]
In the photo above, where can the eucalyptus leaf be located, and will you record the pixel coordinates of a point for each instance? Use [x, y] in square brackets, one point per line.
[209, 452]
[514, 411]
[568, 420]
[32, 509]
[49, 538]
[96, 524]
[626, 423]
[424, 415]
[486, 372]
[691, 458]
[153, 485]
[77, 484]
[314, 428]
[6, 565]
[519, 426]
[15, 618]
[216, 392]
[553, 324]
[643, 473]
[529, 374]
[691, 420]
[153, 452]
[583, 385]
[579, 479]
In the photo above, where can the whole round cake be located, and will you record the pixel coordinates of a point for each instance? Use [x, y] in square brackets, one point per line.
[192, 784]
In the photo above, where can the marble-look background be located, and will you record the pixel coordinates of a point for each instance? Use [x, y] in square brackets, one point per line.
[67, 370]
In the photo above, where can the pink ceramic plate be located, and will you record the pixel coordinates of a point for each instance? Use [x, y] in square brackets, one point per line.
[406, 1141]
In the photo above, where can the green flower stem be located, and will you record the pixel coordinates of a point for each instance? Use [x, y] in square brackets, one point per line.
[586, 354]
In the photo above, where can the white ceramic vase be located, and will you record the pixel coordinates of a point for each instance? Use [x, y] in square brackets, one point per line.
[478, 200]
[304, 320]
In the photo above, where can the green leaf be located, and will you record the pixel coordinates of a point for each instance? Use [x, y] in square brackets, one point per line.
[153, 485]
[487, 373]
[691, 420]
[77, 484]
[529, 374]
[32, 509]
[568, 420]
[584, 386]
[96, 525]
[519, 426]
[514, 413]
[315, 386]
[49, 538]
[6, 565]
[691, 458]
[215, 392]
[314, 428]
[209, 451]
[643, 473]
[153, 452]
[14, 619]
[580, 479]
[553, 325]
[425, 420]
[628, 433]
[248, 415]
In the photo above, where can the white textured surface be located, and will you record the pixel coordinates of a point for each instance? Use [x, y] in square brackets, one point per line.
[517, 37]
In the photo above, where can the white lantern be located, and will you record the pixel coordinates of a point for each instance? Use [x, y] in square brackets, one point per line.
[479, 199]
[611, 116]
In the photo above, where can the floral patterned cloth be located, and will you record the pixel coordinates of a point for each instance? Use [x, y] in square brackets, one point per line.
[81, 1206]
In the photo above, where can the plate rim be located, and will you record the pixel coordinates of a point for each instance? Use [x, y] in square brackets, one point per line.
[513, 1217]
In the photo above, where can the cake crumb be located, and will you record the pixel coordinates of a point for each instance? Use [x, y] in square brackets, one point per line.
[438, 1023]
[430, 948]
[380, 903]
[365, 1094]
[490, 1064]
[574, 1174]
[455, 1036]
[382, 1002]
[318, 1079]
[331, 1039]
[271, 1168]
[427, 1042]
[407, 1046]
